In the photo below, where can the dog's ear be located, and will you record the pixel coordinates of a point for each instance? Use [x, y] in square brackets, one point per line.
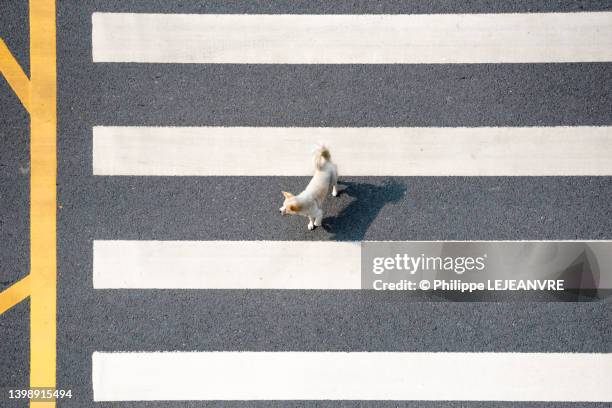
[287, 195]
[295, 207]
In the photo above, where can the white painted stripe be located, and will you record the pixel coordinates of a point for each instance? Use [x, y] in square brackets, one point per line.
[352, 39]
[351, 376]
[259, 151]
[226, 265]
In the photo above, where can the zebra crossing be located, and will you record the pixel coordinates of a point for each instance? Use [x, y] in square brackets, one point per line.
[179, 123]
[361, 151]
[263, 151]
[351, 39]
[226, 265]
[351, 376]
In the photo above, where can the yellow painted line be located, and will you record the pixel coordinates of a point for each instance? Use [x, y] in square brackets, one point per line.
[43, 195]
[14, 294]
[14, 75]
[39, 95]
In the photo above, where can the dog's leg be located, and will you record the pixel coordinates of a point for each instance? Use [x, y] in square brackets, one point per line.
[311, 224]
[318, 218]
[335, 182]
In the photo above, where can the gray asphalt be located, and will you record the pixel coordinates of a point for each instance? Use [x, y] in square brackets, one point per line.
[207, 208]
[343, 95]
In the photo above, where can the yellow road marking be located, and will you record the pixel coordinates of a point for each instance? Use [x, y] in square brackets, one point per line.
[14, 75]
[38, 95]
[43, 194]
[14, 294]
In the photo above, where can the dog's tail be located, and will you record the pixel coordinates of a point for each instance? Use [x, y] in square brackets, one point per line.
[321, 155]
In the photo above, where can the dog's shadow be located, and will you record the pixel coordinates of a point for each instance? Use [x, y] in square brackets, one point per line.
[352, 222]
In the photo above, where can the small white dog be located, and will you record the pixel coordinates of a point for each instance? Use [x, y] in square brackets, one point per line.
[309, 203]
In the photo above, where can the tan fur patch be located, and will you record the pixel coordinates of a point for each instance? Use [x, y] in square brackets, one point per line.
[295, 207]
[325, 154]
[287, 195]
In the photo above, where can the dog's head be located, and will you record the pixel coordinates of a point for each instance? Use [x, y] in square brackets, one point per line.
[290, 205]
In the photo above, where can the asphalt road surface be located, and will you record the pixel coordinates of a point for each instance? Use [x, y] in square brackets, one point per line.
[92, 207]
